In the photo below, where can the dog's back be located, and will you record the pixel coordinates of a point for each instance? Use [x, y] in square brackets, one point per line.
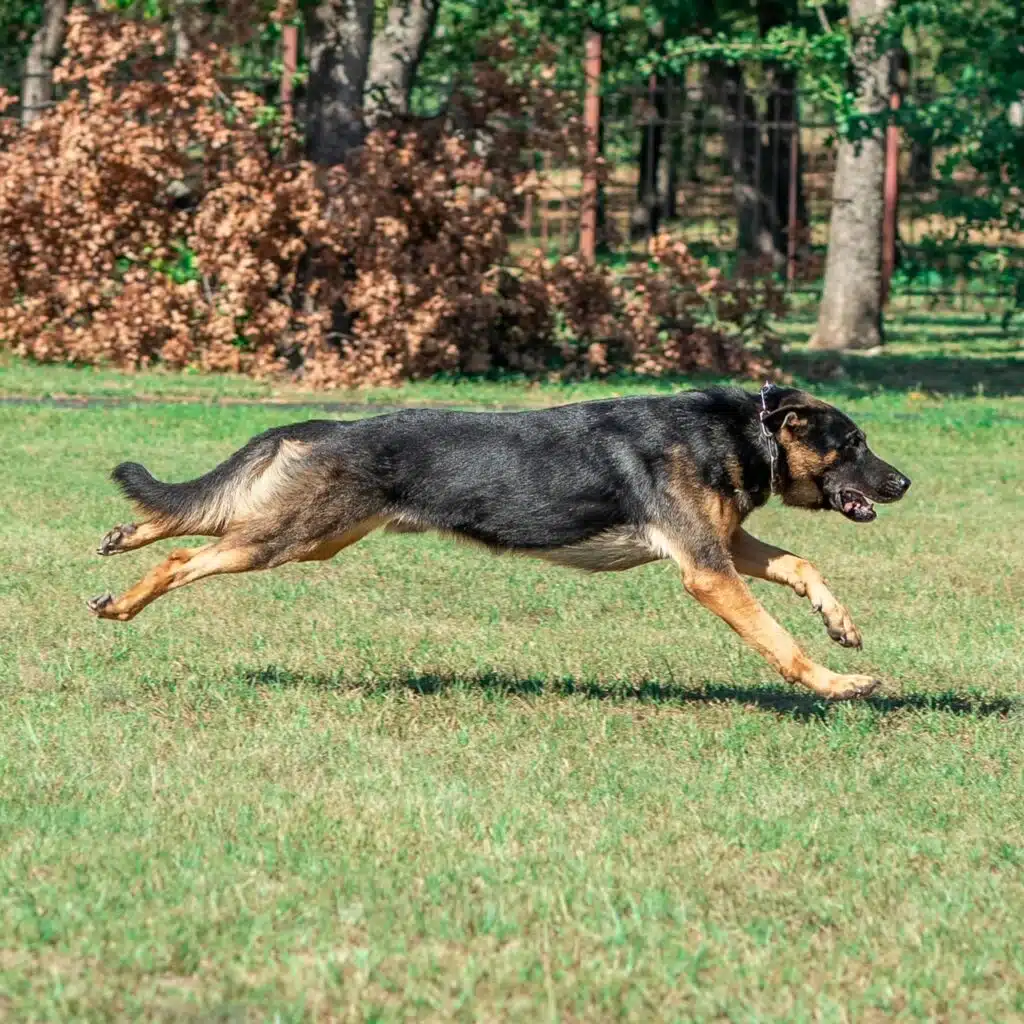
[528, 480]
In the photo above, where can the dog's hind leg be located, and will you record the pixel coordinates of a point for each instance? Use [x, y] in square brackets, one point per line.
[131, 536]
[186, 565]
[231, 554]
[725, 594]
[753, 557]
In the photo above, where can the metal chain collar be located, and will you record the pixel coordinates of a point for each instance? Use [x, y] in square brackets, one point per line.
[773, 445]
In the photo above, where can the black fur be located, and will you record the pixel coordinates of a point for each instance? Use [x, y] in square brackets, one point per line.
[600, 486]
[531, 480]
[522, 481]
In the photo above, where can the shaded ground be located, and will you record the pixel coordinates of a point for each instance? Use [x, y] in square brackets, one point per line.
[949, 356]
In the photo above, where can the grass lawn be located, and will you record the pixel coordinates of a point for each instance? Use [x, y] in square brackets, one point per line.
[422, 782]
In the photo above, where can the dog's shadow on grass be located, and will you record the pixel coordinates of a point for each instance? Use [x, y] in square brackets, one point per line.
[786, 703]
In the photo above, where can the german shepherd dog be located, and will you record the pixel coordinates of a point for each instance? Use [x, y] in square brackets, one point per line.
[599, 486]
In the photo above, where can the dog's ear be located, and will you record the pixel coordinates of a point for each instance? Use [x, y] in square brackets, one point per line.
[791, 418]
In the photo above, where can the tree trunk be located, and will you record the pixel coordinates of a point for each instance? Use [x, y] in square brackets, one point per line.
[922, 153]
[37, 85]
[650, 197]
[922, 163]
[850, 315]
[339, 34]
[674, 156]
[604, 239]
[181, 31]
[742, 131]
[694, 146]
[396, 55]
[780, 135]
[646, 216]
[760, 148]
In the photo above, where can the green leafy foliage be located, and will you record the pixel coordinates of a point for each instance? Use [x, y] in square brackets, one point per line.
[18, 21]
[971, 56]
[629, 31]
[978, 65]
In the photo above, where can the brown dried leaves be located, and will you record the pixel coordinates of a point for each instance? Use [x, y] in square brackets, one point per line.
[152, 216]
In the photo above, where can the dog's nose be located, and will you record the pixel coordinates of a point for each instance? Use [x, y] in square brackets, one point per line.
[901, 483]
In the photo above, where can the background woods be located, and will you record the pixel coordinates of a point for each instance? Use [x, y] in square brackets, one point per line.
[361, 193]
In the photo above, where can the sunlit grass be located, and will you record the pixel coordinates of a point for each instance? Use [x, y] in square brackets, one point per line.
[422, 782]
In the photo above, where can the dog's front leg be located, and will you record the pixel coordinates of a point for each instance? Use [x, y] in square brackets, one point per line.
[724, 593]
[764, 562]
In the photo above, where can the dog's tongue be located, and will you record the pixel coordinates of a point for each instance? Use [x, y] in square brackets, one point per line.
[858, 508]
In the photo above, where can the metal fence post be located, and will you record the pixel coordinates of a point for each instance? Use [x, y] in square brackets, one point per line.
[891, 195]
[592, 127]
[792, 226]
[289, 62]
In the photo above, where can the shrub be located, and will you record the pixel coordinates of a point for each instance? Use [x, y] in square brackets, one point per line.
[152, 216]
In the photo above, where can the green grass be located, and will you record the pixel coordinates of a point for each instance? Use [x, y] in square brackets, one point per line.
[422, 782]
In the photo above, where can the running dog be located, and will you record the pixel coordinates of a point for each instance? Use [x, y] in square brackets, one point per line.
[599, 486]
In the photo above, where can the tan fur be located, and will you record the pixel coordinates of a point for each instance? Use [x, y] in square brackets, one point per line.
[726, 595]
[735, 471]
[804, 493]
[259, 492]
[806, 467]
[683, 478]
[721, 513]
[753, 557]
[132, 536]
[230, 554]
[329, 548]
[185, 565]
[239, 500]
[803, 462]
[701, 504]
[405, 526]
[611, 551]
[252, 493]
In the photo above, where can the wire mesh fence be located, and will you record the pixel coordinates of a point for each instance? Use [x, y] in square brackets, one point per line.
[740, 166]
[744, 175]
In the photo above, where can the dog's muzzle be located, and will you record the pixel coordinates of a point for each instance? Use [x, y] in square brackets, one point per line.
[859, 505]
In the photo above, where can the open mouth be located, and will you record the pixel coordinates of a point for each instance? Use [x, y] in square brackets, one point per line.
[854, 505]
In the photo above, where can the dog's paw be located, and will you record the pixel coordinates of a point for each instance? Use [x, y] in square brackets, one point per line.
[850, 687]
[113, 540]
[838, 623]
[97, 605]
[841, 628]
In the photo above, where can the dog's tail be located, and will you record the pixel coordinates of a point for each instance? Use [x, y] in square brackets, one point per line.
[209, 503]
[194, 506]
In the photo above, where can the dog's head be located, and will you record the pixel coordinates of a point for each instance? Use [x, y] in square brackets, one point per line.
[825, 461]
